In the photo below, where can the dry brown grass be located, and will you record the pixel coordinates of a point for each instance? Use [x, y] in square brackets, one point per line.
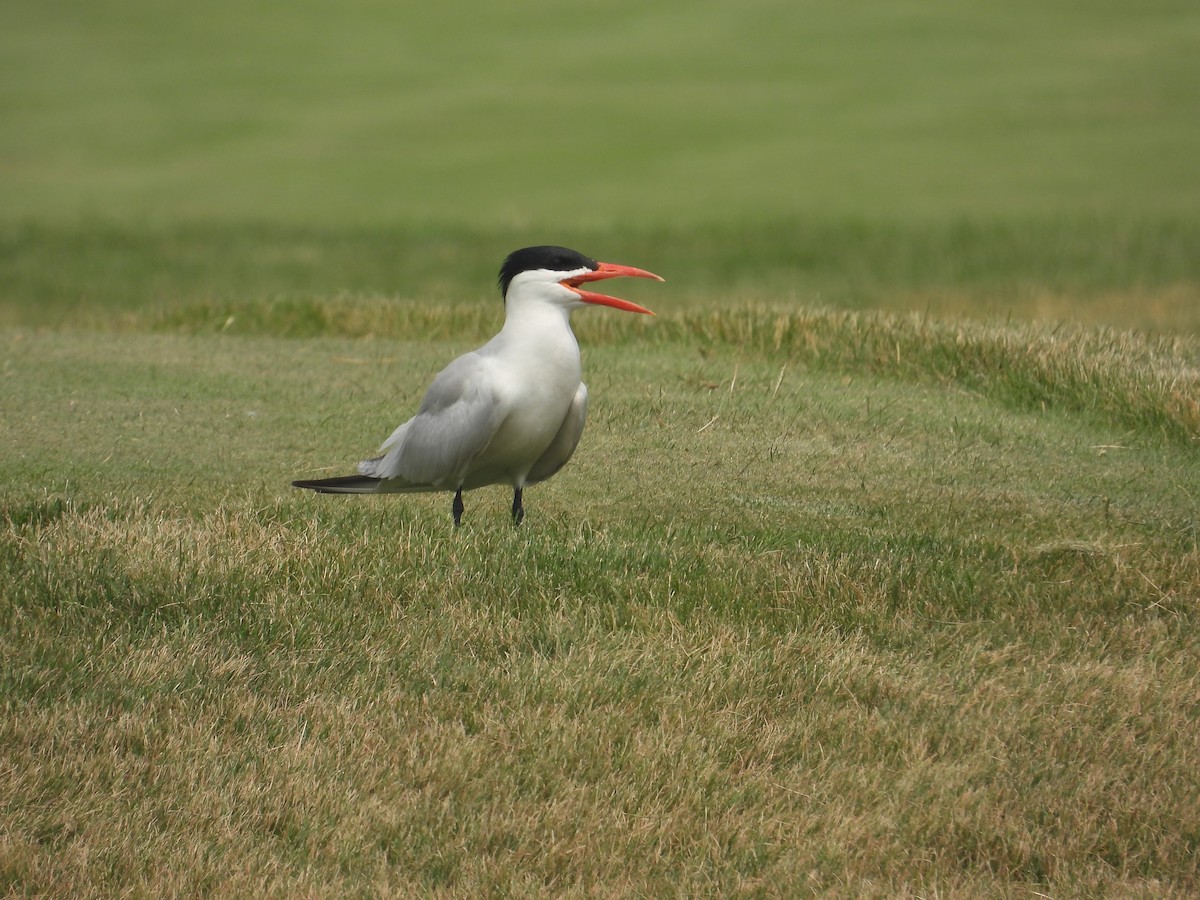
[250, 708]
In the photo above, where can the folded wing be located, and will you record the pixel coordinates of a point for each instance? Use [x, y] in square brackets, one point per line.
[458, 419]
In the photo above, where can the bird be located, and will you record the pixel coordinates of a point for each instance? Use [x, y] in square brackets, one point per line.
[510, 412]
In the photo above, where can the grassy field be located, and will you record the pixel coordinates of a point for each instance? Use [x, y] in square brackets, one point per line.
[859, 614]
[877, 572]
[528, 115]
[308, 281]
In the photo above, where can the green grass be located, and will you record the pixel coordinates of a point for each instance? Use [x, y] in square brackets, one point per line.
[308, 280]
[798, 617]
[876, 573]
[612, 113]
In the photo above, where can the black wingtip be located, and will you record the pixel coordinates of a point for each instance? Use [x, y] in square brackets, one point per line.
[347, 484]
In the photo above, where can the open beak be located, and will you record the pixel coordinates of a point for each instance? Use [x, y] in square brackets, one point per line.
[609, 270]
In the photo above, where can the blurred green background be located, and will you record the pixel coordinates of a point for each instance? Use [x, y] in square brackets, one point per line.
[940, 154]
[666, 113]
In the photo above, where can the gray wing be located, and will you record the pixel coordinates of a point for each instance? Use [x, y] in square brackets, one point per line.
[457, 420]
[564, 442]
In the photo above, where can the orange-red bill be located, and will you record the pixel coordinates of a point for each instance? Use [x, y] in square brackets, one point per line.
[610, 270]
[605, 300]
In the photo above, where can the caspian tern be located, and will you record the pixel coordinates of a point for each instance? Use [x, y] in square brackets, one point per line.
[510, 412]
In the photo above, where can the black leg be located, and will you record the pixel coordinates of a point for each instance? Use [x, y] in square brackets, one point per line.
[518, 507]
[457, 508]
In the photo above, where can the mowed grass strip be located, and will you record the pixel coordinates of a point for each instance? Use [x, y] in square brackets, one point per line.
[1145, 382]
[779, 626]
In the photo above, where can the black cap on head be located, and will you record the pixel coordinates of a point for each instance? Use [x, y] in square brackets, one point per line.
[556, 259]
